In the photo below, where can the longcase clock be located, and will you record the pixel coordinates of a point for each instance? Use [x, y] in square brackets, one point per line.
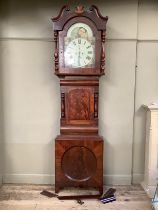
[79, 37]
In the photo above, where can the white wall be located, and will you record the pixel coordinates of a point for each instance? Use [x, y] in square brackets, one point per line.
[1, 114]
[30, 91]
[146, 77]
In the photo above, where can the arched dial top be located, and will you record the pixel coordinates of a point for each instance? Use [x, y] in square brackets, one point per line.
[79, 47]
[92, 13]
[79, 37]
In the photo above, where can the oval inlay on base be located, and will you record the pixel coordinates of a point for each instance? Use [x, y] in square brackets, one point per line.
[79, 163]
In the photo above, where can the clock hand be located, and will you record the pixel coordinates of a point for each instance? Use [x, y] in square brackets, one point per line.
[79, 56]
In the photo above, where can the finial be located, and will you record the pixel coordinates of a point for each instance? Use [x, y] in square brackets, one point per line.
[79, 9]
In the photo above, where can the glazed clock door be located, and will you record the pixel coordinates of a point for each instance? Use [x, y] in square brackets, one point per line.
[79, 47]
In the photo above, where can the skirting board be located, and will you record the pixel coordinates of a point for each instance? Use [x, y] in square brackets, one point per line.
[29, 178]
[117, 179]
[137, 178]
[50, 179]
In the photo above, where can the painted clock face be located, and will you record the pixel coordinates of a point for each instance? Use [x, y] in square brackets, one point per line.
[79, 53]
[79, 47]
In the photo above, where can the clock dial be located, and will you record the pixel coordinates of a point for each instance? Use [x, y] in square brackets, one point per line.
[79, 47]
[79, 53]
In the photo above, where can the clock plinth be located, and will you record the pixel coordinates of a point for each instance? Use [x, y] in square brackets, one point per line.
[79, 62]
[79, 161]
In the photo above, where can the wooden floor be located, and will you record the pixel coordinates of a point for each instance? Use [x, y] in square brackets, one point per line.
[28, 197]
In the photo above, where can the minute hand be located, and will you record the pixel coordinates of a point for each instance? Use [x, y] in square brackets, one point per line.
[79, 55]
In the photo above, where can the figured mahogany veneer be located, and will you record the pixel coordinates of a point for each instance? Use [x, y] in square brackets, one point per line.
[79, 99]
[79, 161]
[79, 148]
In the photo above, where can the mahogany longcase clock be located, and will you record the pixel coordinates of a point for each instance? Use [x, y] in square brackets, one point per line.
[79, 62]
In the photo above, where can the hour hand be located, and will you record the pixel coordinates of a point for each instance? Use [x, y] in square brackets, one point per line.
[79, 56]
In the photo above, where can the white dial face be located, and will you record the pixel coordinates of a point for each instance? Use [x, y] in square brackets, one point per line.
[79, 53]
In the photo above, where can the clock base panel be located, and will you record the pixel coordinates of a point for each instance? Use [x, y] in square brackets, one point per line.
[79, 162]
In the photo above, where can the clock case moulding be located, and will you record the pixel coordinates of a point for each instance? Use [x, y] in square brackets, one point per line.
[61, 24]
[79, 148]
